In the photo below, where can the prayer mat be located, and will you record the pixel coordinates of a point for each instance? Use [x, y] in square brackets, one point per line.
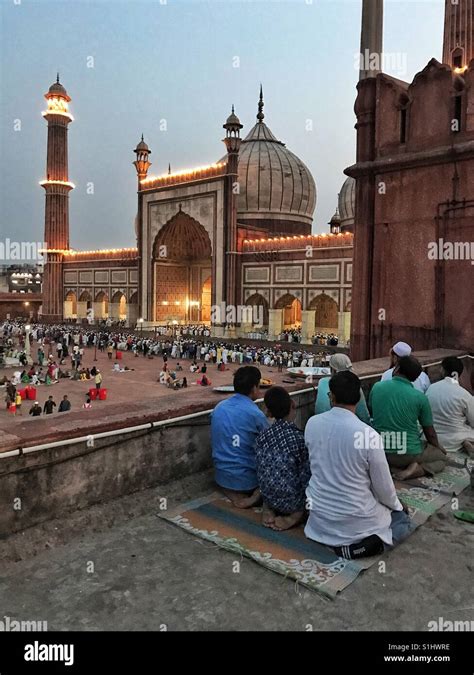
[424, 496]
[290, 553]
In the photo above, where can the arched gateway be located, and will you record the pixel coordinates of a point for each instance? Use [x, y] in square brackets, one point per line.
[182, 270]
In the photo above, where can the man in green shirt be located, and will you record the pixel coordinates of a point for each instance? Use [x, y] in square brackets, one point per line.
[398, 409]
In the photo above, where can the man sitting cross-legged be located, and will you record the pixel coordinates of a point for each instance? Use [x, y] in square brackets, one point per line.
[453, 408]
[282, 464]
[399, 410]
[235, 425]
[353, 506]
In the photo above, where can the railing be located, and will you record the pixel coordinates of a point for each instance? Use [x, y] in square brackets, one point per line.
[167, 422]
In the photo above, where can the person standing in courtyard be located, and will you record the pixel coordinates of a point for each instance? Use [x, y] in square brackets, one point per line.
[35, 409]
[98, 379]
[49, 406]
[65, 404]
[18, 402]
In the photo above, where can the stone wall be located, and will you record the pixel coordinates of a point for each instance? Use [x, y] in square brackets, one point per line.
[53, 482]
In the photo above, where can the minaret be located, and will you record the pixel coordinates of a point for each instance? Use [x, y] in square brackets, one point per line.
[142, 163]
[371, 42]
[458, 45]
[232, 142]
[57, 187]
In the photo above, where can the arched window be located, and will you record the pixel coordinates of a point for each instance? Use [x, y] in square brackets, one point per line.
[403, 107]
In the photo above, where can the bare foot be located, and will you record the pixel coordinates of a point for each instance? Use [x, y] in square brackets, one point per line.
[247, 502]
[242, 501]
[468, 446]
[286, 522]
[268, 516]
[412, 471]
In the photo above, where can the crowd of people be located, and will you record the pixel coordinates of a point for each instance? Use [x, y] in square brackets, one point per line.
[58, 351]
[337, 476]
[64, 341]
[328, 339]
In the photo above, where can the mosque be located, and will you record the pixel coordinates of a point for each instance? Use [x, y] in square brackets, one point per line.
[228, 244]
[215, 241]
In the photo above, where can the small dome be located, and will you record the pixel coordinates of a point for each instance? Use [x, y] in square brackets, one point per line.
[336, 219]
[347, 204]
[57, 89]
[233, 120]
[142, 146]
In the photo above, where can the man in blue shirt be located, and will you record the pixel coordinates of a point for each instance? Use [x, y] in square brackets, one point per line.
[235, 425]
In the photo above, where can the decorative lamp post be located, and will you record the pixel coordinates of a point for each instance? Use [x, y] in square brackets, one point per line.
[140, 321]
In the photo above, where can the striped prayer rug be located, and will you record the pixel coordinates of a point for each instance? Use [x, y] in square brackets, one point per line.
[290, 553]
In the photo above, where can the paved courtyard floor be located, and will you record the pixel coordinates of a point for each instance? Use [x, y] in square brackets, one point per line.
[131, 394]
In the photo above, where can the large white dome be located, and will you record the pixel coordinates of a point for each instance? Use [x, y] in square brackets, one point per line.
[277, 190]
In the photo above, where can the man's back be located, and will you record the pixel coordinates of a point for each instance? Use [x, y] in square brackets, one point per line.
[350, 493]
[398, 407]
[453, 412]
[421, 383]
[235, 424]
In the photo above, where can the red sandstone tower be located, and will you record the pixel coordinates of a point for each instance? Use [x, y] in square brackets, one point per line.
[57, 187]
[458, 48]
[142, 164]
[232, 142]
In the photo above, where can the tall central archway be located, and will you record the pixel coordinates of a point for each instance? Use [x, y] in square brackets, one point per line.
[291, 307]
[206, 300]
[326, 312]
[182, 254]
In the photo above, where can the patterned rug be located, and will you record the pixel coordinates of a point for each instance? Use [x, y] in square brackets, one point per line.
[290, 553]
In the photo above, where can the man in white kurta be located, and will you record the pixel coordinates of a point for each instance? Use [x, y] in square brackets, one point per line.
[453, 408]
[351, 495]
[399, 350]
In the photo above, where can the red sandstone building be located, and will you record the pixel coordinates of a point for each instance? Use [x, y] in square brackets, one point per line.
[415, 197]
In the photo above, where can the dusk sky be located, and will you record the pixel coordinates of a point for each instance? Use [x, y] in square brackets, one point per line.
[175, 62]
